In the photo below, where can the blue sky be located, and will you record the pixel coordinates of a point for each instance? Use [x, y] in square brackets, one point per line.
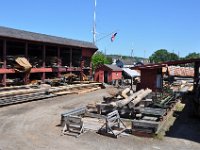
[142, 25]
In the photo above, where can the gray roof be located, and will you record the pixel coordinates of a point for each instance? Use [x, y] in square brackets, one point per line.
[113, 67]
[31, 36]
[131, 73]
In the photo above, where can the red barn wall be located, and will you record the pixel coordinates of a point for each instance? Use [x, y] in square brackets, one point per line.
[99, 76]
[109, 76]
[112, 75]
[87, 52]
[116, 75]
[148, 79]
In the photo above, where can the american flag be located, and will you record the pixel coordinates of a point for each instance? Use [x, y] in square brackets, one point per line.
[113, 36]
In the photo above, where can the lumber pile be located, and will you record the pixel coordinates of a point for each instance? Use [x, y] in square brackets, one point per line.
[19, 94]
[146, 110]
[125, 102]
[35, 61]
[52, 61]
[140, 113]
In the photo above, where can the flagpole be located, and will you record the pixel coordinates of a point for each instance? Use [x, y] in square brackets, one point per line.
[94, 23]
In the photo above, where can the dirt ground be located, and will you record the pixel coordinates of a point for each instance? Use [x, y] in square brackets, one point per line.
[34, 126]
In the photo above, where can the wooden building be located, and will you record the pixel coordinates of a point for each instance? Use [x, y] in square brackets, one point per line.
[108, 73]
[152, 77]
[50, 56]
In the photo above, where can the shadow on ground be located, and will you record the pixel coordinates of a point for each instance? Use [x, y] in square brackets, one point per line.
[186, 125]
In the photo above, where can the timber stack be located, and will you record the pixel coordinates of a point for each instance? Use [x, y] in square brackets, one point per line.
[18, 94]
[146, 110]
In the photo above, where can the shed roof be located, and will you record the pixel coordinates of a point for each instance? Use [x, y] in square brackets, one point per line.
[37, 37]
[165, 64]
[110, 67]
[131, 73]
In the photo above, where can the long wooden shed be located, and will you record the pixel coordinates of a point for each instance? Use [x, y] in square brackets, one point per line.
[50, 56]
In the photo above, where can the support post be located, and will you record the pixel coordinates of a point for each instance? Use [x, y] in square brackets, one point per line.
[43, 61]
[132, 83]
[26, 50]
[196, 75]
[91, 74]
[70, 64]
[59, 61]
[27, 74]
[82, 65]
[4, 61]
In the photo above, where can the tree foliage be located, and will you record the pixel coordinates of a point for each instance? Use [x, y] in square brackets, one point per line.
[99, 58]
[163, 55]
[192, 55]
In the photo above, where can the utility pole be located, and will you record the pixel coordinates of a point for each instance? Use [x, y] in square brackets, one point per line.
[132, 61]
[94, 23]
[178, 54]
[132, 55]
[132, 52]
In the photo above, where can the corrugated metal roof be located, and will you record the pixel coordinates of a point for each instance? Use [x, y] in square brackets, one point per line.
[113, 67]
[131, 73]
[31, 36]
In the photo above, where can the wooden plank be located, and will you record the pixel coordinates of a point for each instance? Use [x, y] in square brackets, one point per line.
[37, 70]
[89, 90]
[33, 70]
[73, 69]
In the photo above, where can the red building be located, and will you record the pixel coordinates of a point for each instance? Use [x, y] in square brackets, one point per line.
[152, 76]
[49, 56]
[108, 73]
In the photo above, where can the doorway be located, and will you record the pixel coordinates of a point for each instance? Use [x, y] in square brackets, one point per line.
[106, 76]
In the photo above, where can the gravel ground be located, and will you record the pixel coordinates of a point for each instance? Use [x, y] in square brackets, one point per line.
[34, 126]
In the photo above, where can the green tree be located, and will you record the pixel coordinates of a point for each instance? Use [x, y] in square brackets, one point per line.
[192, 55]
[99, 58]
[109, 60]
[162, 55]
[173, 56]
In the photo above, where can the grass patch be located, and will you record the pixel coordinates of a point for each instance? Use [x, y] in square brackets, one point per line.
[170, 121]
[179, 107]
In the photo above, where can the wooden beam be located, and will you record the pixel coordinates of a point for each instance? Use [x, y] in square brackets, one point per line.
[26, 50]
[43, 61]
[82, 65]
[196, 75]
[35, 70]
[91, 67]
[59, 61]
[27, 74]
[4, 61]
[70, 63]
[70, 58]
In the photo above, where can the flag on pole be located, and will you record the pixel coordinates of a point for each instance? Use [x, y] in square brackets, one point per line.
[113, 36]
